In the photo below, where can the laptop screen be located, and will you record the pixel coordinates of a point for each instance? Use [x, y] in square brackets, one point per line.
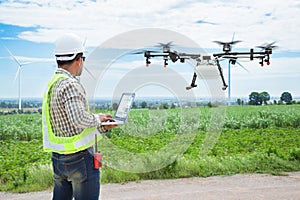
[125, 104]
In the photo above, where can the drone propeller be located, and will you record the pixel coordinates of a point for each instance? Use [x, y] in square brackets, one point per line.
[267, 46]
[268, 49]
[227, 45]
[165, 46]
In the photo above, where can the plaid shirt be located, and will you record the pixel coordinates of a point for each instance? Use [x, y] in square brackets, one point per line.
[68, 107]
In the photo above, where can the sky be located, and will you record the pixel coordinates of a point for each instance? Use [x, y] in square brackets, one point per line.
[28, 30]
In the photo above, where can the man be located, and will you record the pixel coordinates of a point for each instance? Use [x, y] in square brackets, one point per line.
[68, 128]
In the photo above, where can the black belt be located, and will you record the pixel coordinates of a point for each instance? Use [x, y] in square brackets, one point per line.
[69, 154]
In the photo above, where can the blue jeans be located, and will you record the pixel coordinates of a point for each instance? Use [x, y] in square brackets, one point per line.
[75, 176]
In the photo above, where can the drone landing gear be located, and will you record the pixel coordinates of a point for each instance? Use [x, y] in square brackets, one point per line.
[221, 75]
[193, 82]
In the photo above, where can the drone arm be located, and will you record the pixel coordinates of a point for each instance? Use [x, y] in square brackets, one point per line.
[252, 54]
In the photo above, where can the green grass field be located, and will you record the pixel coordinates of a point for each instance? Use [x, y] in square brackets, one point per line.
[250, 139]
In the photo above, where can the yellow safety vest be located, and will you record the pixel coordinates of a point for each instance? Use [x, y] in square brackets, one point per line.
[52, 143]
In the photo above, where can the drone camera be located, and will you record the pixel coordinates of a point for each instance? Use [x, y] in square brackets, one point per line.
[232, 61]
[182, 60]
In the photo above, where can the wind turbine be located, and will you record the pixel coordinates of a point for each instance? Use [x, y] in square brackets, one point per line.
[18, 74]
[19, 71]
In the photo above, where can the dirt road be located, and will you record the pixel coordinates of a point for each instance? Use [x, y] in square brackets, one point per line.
[241, 186]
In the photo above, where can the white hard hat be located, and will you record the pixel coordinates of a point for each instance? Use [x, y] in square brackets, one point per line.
[67, 46]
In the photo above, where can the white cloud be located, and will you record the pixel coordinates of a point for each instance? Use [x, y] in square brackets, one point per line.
[253, 21]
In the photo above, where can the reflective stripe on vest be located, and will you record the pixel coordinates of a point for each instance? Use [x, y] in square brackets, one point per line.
[52, 143]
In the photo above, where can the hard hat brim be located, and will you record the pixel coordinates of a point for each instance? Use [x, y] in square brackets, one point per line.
[65, 57]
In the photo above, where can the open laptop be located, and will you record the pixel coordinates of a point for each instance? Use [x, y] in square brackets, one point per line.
[123, 109]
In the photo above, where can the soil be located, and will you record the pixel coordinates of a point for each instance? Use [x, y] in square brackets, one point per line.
[240, 186]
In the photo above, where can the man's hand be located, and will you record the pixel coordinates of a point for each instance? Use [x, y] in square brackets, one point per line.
[107, 117]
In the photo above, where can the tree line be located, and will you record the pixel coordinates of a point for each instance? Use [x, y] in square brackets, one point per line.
[255, 98]
[263, 98]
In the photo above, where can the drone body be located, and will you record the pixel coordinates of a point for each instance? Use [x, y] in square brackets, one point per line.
[169, 54]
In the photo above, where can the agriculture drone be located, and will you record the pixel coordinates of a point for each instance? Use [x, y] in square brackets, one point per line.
[169, 54]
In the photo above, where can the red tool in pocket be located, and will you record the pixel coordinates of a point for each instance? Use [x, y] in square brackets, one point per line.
[97, 156]
[97, 160]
